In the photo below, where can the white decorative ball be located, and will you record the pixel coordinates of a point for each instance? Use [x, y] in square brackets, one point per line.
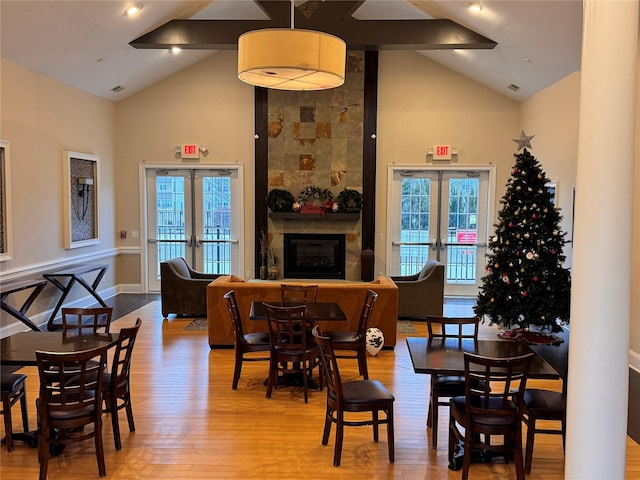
[375, 341]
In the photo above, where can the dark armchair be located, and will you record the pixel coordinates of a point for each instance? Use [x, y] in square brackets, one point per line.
[183, 290]
[422, 293]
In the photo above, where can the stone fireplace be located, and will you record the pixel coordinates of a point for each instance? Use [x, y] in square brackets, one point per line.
[314, 255]
[315, 139]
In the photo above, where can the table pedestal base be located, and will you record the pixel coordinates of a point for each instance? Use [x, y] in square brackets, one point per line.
[477, 456]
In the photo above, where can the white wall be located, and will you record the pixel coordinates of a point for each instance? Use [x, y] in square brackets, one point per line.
[552, 115]
[204, 104]
[421, 104]
[41, 118]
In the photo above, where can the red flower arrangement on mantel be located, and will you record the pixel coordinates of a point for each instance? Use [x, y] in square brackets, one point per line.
[315, 200]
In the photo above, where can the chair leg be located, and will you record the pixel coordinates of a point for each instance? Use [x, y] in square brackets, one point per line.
[129, 410]
[327, 427]
[102, 469]
[337, 452]
[432, 419]
[531, 428]
[390, 434]
[518, 456]
[8, 424]
[237, 369]
[375, 425]
[115, 425]
[305, 382]
[452, 439]
[466, 458]
[24, 410]
[273, 367]
[43, 451]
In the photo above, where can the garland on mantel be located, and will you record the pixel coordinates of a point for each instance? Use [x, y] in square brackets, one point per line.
[311, 194]
[313, 199]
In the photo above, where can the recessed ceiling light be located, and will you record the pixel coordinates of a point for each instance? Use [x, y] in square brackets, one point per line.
[132, 10]
[475, 7]
[513, 87]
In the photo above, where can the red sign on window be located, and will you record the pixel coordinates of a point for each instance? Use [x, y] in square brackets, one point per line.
[467, 236]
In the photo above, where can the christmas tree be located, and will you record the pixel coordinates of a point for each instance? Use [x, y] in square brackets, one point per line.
[526, 284]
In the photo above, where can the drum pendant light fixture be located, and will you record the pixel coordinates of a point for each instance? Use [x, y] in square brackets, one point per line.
[290, 59]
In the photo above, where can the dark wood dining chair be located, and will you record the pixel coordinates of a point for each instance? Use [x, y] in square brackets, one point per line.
[292, 349]
[244, 342]
[299, 293]
[76, 321]
[13, 390]
[444, 387]
[547, 405]
[491, 407]
[353, 397]
[116, 385]
[70, 398]
[354, 344]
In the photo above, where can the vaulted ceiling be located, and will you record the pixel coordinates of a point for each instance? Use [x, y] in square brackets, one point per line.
[516, 47]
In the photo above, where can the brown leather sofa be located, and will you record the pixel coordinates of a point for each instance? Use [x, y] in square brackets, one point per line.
[421, 294]
[183, 290]
[349, 295]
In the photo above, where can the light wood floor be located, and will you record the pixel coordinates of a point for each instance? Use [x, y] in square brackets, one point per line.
[191, 425]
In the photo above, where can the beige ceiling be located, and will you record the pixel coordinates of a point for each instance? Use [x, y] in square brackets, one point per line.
[86, 43]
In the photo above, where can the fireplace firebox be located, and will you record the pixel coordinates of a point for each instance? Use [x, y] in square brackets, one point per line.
[314, 255]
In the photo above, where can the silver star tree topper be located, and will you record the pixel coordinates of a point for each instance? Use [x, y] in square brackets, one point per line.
[523, 140]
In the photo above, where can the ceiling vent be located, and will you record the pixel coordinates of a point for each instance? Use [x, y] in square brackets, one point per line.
[513, 87]
[117, 89]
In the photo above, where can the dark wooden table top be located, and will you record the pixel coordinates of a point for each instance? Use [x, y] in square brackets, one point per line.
[314, 311]
[447, 357]
[20, 349]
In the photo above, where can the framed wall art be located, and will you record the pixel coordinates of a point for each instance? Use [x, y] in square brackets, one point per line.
[81, 205]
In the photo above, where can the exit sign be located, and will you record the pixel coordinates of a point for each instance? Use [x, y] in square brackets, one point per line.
[189, 150]
[442, 152]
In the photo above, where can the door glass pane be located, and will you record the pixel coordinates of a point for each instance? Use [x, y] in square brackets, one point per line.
[414, 224]
[216, 232]
[463, 229]
[170, 207]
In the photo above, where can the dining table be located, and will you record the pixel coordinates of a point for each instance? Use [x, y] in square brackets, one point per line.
[19, 350]
[446, 357]
[314, 312]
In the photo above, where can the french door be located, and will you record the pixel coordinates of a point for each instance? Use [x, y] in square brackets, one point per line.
[441, 214]
[195, 214]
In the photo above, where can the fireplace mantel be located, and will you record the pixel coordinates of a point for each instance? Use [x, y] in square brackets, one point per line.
[313, 216]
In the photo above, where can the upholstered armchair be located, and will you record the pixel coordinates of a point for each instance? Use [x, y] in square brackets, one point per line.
[422, 293]
[183, 290]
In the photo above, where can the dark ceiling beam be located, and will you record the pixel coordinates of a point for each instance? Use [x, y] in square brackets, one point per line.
[331, 17]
